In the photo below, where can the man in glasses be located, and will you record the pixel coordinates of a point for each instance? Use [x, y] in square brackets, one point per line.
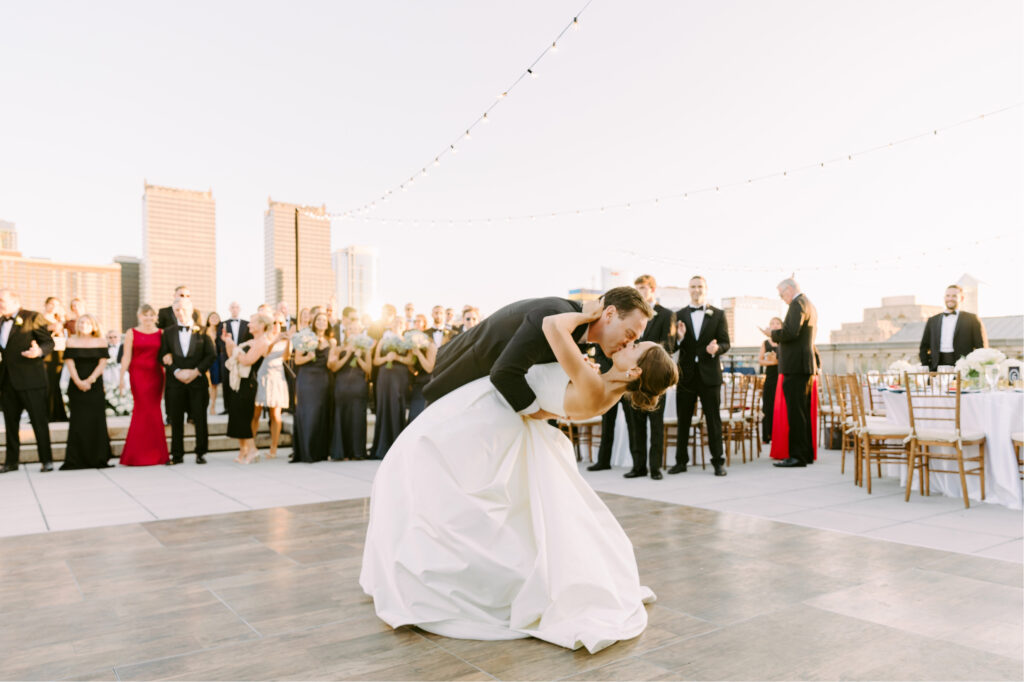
[165, 318]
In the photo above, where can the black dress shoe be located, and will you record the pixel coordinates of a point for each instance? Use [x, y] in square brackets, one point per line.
[789, 463]
[200, 459]
[678, 469]
[46, 467]
[598, 467]
[719, 469]
[634, 474]
[5, 468]
[656, 475]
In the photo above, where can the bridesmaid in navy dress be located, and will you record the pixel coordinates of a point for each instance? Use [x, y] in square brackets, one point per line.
[312, 383]
[390, 390]
[351, 391]
[86, 356]
[421, 369]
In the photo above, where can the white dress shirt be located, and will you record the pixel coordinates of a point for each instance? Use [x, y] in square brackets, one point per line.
[698, 322]
[234, 330]
[185, 338]
[948, 327]
[5, 331]
[438, 337]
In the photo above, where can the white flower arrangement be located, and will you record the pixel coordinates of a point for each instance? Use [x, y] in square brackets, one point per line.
[974, 363]
[901, 366]
[118, 402]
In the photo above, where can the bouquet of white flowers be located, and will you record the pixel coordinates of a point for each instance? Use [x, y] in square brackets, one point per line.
[901, 366]
[362, 342]
[974, 363]
[118, 402]
[416, 339]
[393, 343]
[305, 341]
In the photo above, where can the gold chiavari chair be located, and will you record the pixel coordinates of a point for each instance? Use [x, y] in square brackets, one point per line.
[933, 401]
[582, 434]
[1018, 442]
[756, 415]
[734, 415]
[876, 441]
[697, 434]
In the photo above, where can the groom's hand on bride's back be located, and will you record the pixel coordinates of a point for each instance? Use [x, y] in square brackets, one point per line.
[542, 415]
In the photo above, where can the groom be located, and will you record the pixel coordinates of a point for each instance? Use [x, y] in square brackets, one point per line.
[506, 344]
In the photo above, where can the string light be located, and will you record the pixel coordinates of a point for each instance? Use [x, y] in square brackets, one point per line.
[717, 188]
[484, 118]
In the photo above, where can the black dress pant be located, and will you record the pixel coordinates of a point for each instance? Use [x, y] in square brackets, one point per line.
[33, 401]
[710, 401]
[771, 382]
[637, 420]
[193, 398]
[797, 390]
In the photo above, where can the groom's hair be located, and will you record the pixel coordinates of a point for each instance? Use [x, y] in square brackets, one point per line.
[626, 300]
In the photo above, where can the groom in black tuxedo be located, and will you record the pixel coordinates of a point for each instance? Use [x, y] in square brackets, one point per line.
[188, 354]
[951, 334]
[506, 344]
[703, 339]
[24, 341]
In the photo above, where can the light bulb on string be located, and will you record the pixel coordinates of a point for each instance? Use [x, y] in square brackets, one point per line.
[454, 150]
[468, 136]
[485, 119]
[531, 72]
[554, 47]
[437, 160]
[575, 23]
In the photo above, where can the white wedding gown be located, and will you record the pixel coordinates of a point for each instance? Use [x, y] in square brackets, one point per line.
[481, 527]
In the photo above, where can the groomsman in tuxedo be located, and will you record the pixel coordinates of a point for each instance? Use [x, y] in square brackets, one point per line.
[440, 333]
[165, 317]
[239, 331]
[188, 353]
[951, 334]
[661, 329]
[798, 363]
[703, 338]
[24, 340]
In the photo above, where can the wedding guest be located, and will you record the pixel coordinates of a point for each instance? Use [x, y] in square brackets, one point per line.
[797, 367]
[449, 320]
[282, 309]
[703, 338]
[242, 418]
[112, 371]
[351, 390]
[951, 334]
[388, 313]
[146, 443]
[88, 444]
[76, 308]
[304, 319]
[421, 368]
[272, 392]
[312, 383]
[188, 354]
[216, 373]
[439, 332]
[265, 309]
[769, 359]
[390, 390]
[332, 319]
[470, 318]
[410, 315]
[662, 330]
[238, 330]
[25, 339]
[165, 317]
[53, 312]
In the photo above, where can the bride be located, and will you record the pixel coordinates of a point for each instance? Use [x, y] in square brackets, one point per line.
[481, 526]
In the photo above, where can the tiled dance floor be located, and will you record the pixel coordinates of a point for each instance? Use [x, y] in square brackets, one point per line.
[273, 594]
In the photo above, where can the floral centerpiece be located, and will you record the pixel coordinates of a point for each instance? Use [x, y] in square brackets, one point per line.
[901, 366]
[973, 365]
[363, 342]
[393, 343]
[305, 341]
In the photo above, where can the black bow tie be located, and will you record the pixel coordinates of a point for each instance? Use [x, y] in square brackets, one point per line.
[184, 327]
[949, 312]
[695, 308]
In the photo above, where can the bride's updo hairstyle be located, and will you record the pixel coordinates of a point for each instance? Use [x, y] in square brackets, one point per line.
[659, 373]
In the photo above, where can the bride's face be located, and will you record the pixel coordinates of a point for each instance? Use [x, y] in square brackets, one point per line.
[628, 357]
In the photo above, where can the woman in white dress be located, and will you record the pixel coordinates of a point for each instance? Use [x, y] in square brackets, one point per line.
[481, 526]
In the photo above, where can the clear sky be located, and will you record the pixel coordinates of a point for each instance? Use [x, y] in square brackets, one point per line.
[335, 102]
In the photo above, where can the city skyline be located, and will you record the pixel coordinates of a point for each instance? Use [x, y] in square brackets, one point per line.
[629, 107]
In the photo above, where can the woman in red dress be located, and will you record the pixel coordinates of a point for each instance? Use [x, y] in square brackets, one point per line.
[147, 441]
[780, 422]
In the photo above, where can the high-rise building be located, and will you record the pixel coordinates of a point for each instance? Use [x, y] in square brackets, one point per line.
[130, 289]
[8, 236]
[746, 315]
[315, 279]
[36, 279]
[179, 246]
[357, 277]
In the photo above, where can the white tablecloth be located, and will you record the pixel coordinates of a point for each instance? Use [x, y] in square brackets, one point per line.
[997, 414]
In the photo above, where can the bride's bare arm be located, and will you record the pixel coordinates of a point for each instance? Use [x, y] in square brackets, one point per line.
[558, 332]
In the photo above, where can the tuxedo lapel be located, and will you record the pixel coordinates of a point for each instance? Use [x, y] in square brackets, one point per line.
[705, 327]
[689, 321]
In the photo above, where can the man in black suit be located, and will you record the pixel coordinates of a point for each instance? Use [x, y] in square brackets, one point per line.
[165, 317]
[798, 363]
[24, 340]
[439, 333]
[188, 353]
[506, 344]
[703, 338]
[238, 329]
[951, 334]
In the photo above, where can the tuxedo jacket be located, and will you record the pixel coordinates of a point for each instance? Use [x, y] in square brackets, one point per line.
[26, 373]
[447, 335]
[697, 367]
[243, 334]
[503, 346]
[968, 335]
[797, 354]
[662, 328]
[200, 356]
[165, 318]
